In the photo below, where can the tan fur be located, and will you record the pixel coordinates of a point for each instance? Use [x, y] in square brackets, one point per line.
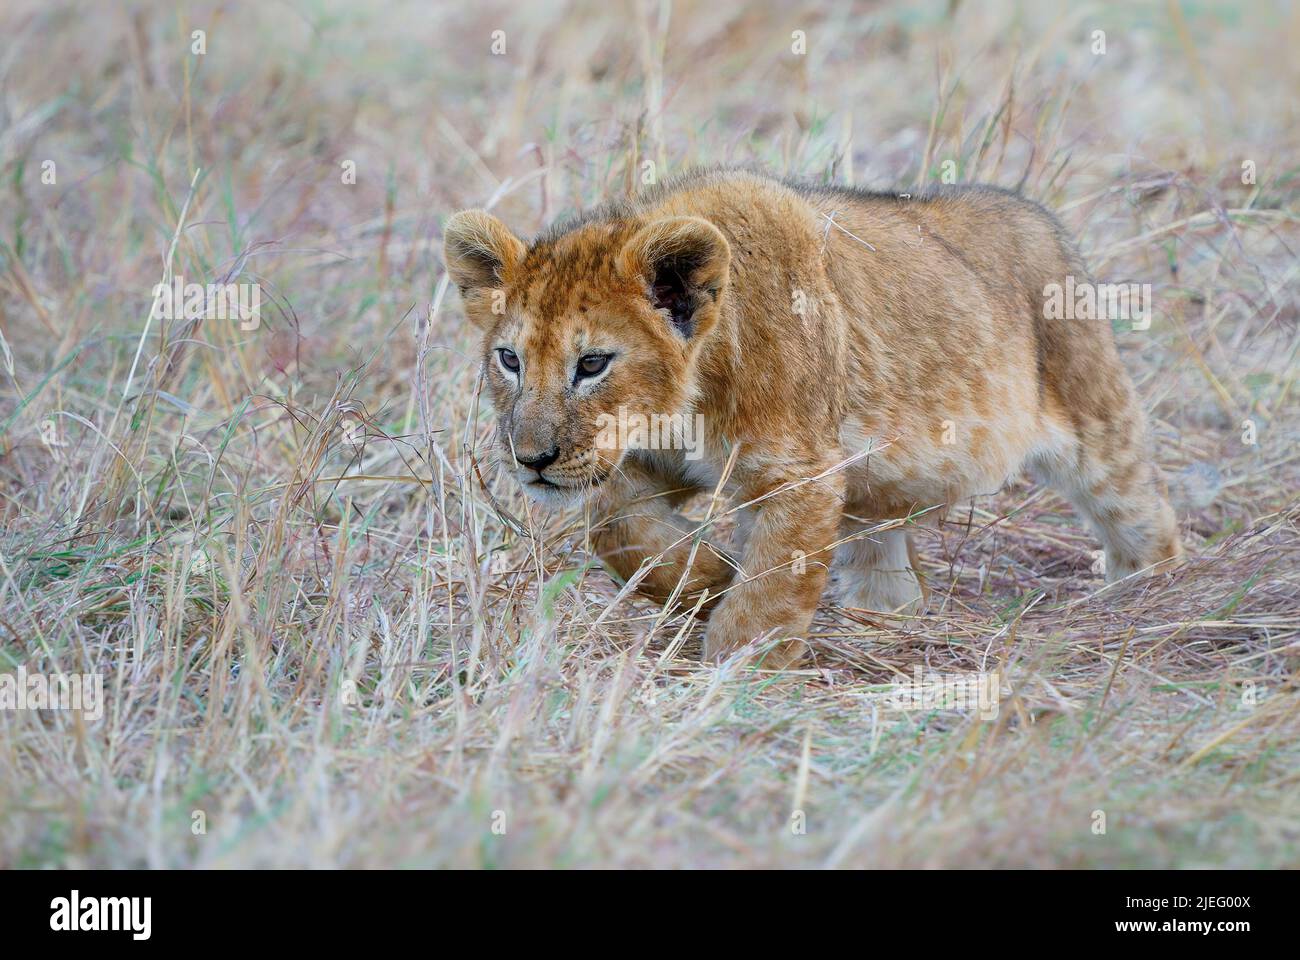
[807, 325]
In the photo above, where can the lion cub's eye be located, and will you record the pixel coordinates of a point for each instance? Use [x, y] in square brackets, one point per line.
[509, 360]
[593, 364]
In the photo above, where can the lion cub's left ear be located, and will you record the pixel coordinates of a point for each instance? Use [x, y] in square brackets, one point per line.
[683, 261]
[480, 251]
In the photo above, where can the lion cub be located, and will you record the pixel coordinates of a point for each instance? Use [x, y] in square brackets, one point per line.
[850, 357]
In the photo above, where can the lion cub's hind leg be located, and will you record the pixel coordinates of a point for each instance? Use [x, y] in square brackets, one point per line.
[1106, 474]
[877, 572]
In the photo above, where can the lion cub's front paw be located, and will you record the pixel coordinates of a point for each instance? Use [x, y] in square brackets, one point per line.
[730, 629]
[884, 591]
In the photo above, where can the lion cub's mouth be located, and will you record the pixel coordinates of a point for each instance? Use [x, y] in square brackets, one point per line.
[544, 487]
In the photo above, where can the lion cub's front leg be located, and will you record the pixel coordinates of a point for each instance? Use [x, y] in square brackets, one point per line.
[784, 566]
[633, 520]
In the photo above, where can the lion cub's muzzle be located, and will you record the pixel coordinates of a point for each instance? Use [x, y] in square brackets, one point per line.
[551, 475]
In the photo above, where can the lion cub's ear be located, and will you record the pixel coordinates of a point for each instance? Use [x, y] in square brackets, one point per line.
[683, 262]
[479, 250]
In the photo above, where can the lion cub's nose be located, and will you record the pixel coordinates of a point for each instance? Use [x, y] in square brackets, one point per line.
[539, 462]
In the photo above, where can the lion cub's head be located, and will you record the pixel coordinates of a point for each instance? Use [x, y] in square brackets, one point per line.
[603, 321]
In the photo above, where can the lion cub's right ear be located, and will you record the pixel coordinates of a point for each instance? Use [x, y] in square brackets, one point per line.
[480, 251]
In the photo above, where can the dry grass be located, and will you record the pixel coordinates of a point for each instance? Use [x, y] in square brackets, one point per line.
[362, 672]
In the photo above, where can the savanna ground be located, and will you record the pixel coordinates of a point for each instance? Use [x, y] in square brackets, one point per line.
[302, 669]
